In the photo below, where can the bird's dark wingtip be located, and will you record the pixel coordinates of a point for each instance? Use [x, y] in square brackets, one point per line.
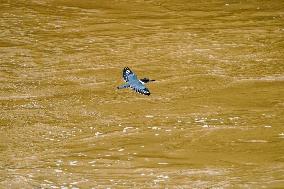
[146, 93]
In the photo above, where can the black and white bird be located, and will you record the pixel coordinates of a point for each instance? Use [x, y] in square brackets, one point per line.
[133, 82]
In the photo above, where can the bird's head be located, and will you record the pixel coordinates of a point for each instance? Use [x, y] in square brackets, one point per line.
[146, 80]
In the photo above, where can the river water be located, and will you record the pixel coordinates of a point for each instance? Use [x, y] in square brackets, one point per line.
[214, 118]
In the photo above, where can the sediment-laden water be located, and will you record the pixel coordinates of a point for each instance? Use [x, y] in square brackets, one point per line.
[214, 118]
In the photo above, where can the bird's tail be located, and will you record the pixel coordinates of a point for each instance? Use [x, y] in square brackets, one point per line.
[123, 86]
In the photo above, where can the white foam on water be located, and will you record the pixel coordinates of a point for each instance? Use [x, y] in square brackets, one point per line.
[126, 128]
[98, 134]
[58, 170]
[73, 163]
[163, 163]
[149, 116]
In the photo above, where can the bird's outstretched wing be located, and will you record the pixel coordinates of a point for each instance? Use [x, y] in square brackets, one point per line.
[144, 91]
[138, 86]
[127, 73]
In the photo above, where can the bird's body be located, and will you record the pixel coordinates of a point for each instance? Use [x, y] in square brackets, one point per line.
[133, 82]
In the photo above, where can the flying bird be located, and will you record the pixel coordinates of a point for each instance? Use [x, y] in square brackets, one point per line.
[133, 82]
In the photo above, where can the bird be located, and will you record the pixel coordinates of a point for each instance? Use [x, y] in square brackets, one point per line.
[131, 81]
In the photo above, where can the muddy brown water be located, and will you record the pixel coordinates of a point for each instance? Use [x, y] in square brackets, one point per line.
[214, 118]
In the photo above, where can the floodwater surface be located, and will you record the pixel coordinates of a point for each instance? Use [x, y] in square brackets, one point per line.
[214, 118]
